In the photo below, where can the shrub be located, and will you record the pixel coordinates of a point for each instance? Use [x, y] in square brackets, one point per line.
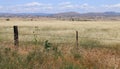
[47, 45]
[7, 19]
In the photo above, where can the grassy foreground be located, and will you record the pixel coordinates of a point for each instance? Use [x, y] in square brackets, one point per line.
[61, 57]
[34, 52]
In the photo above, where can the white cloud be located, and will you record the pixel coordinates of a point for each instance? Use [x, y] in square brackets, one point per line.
[29, 7]
[112, 6]
[59, 7]
[86, 6]
[33, 4]
[66, 5]
[37, 7]
[69, 5]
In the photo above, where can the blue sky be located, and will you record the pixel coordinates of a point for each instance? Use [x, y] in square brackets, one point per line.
[56, 6]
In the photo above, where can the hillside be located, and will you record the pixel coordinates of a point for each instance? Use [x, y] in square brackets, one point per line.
[68, 15]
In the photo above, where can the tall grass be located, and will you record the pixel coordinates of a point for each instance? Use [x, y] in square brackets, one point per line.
[90, 43]
[33, 54]
[63, 57]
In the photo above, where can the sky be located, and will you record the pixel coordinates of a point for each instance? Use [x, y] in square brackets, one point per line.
[57, 6]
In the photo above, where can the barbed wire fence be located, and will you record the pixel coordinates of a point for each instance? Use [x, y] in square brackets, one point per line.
[15, 33]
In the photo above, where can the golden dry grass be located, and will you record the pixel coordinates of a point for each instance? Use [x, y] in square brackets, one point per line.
[62, 35]
[102, 30]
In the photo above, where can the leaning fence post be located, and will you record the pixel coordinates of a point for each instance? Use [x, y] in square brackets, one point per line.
[16, 38]
[77, 39]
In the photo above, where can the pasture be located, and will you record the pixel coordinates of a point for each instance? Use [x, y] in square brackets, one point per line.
[99, 45]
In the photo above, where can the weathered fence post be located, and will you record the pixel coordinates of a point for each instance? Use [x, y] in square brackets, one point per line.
[77, 39]
[16, 38]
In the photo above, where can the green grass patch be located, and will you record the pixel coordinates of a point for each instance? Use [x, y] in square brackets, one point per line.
[90, 43]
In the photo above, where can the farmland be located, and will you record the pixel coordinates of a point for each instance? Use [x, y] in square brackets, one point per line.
[99, 45]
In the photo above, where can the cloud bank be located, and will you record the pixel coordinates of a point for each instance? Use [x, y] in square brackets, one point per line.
[112, 6]
[37, 7]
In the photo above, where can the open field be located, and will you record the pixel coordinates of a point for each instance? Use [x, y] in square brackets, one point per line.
[106, 31]
[99, 45]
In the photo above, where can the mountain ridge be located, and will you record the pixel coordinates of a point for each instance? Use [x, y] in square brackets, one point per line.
[63, 14]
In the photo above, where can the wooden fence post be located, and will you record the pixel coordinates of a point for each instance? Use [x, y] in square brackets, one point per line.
[77, 39]
[16, 38]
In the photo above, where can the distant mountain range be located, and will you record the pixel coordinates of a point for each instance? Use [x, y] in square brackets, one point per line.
[23, 14]
[75, 14]
[64, 14]
[68, 15]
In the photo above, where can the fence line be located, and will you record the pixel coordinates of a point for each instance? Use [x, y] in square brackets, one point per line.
[77, 37]
[67, 36]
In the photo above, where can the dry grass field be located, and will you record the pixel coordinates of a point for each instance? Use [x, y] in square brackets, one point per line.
[99, 45]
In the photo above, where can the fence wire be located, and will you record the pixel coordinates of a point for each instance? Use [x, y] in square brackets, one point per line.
[37, 34]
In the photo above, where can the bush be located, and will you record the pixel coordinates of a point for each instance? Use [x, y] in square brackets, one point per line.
[7, 19]
[47, 45]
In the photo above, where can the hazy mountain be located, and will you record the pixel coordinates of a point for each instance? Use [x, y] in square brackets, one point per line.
[76, 14]
[64, 14]
[23, 14]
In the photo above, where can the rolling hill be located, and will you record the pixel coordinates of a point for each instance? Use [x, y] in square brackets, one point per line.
[68, 15]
